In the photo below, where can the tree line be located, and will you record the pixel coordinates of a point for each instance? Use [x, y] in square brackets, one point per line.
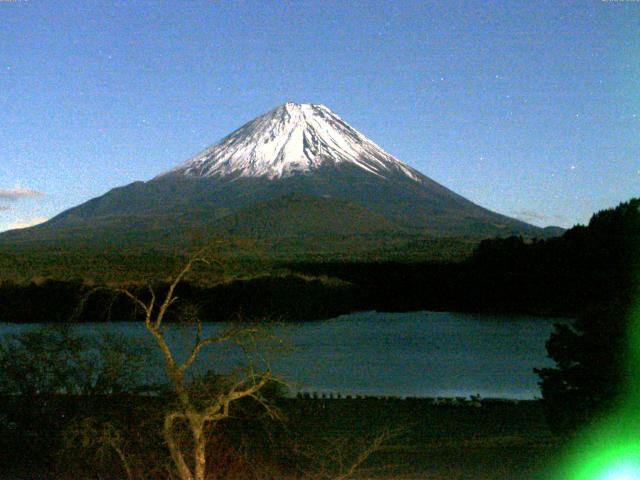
[557, 277]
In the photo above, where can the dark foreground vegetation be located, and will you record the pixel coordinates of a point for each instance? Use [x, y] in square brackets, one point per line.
[51, 438]
[596, 357]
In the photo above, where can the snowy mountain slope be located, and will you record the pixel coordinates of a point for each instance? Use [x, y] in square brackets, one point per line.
[293, 138]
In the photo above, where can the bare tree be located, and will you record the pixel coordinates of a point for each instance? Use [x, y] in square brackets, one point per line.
[188, 424]
[198, 415]
[339, 458]
[103, 438]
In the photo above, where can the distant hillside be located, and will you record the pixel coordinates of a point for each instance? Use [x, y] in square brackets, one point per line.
[298, 214]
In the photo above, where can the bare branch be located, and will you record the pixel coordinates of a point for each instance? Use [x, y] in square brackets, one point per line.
[233, 394]
[201, 343]
[375, 445]
[145, 308]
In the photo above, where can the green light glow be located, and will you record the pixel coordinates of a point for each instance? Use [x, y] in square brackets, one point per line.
[608, 454]
[611, 449]
[623, 471]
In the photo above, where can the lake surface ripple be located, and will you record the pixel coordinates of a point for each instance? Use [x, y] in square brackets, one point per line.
[419, 354]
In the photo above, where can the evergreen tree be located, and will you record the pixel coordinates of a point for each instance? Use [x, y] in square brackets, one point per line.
[591, 355]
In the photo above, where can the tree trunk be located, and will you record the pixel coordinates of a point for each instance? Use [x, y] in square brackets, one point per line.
[200, 454]
[176, 454]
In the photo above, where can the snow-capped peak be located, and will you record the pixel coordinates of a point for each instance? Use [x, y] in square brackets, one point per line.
[292, 138]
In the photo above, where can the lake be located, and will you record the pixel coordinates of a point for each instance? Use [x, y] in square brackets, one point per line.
[421, 354]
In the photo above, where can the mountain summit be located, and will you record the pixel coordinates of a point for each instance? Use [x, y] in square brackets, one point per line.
[296, 172]
[292, 138]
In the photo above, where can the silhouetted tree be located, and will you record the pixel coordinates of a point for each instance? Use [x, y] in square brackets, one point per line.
[592, 354]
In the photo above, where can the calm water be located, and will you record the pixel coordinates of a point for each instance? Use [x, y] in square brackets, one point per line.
[402, 354]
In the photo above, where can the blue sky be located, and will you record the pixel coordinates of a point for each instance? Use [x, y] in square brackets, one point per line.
[528, 108]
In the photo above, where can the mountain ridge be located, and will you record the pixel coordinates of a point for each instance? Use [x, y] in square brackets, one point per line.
[301, 149]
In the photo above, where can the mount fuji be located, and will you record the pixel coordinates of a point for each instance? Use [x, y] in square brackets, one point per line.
[298, 170]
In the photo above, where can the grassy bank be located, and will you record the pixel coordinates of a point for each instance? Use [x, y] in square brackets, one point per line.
[487, 440]
[497, 440]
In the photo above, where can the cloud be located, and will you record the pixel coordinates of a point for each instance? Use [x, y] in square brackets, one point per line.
[531, 216]
[27, 222]
[18, 193]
